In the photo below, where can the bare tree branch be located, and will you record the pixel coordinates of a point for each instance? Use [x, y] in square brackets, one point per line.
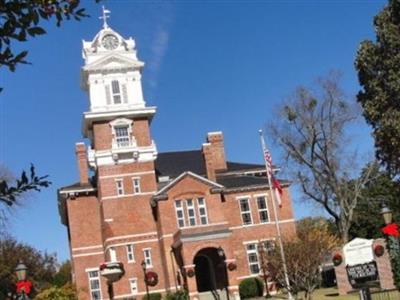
[312, 135]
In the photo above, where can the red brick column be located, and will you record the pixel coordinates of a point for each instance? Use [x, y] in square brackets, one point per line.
[191, 283]
[232, 276]
[384, 266]
[342, 280]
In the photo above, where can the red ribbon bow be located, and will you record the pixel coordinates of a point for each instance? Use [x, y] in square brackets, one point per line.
[391, 229]
[24, 285]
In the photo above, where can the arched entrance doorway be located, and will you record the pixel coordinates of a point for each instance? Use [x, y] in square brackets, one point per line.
[210, 270]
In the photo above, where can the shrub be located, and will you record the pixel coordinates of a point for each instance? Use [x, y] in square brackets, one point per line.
[153, 296]
[65, 292]
[251, 287]
[178, 295]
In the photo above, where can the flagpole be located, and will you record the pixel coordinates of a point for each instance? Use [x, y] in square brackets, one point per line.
[278, 229]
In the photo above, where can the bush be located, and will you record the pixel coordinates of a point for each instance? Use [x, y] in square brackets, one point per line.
[66, 292]
[153, 296]
[178, 295]
[251, 287]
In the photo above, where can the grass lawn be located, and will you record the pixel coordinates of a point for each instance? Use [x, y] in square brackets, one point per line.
[332, 293]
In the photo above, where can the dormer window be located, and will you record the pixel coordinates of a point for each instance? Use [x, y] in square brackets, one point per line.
[122, 133]
[116, 92]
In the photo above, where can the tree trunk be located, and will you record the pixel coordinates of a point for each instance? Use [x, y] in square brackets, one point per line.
[308, 295]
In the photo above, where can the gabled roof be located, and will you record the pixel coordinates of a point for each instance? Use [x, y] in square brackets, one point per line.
[113, 61]
[184, 175]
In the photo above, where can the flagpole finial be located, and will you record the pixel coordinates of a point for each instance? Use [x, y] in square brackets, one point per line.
[260, 131]
[105, 16]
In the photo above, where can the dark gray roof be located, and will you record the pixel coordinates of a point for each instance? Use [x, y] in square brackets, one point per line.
[173, 164]
[237, 181]
[78, 186]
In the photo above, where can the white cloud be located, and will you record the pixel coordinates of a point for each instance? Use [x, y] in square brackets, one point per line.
[160, 41]
[158, 49]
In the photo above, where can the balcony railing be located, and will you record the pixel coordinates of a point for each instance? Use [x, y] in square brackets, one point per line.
[123, 142]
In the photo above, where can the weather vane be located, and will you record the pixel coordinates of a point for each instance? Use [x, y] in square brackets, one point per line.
[105, 17]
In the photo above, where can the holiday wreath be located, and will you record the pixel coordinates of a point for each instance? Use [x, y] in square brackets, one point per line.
[151, 278]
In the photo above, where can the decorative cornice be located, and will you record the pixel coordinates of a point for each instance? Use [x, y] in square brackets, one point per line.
[90, 117]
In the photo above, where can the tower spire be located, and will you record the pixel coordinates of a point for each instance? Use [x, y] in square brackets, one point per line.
[105, 16]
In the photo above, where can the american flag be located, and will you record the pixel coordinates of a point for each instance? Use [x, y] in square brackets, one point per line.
[268, 165]
[268, 160]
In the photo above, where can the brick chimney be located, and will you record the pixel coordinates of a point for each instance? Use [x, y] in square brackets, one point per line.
[81, 157]
[214, 154]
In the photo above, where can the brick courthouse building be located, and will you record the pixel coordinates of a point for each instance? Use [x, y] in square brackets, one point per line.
[172, 210]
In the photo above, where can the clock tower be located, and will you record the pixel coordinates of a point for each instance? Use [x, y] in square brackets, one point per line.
[112, 77]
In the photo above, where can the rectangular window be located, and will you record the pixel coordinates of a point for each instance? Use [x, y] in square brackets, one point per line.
[245, 211]
[134, 286]
[191, 212]
[252, 257]
[147, 257]
[94, 285]
[120, 186]
[180, 217]
[113, 254]
[130, 253]
[262, 209]
[122, 136]
[136, 185]
[116, 92]
[201, 205]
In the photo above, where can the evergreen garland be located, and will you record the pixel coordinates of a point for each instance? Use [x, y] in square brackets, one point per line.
[394, 253]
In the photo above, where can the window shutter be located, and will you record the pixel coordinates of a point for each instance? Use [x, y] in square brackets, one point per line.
[108, 94]
[124, 93]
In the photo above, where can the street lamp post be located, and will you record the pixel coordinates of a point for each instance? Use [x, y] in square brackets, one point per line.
[386, 214]
[392, 240]
[144, 266]
[23, 286]
[221, 254]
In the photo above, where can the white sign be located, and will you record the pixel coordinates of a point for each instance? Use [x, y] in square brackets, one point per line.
[358, 251]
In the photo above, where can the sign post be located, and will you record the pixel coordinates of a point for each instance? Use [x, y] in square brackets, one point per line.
[361, 267]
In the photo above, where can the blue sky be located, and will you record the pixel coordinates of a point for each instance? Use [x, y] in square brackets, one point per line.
[210, 65]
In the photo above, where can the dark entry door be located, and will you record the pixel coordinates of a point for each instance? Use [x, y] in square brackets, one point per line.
[210, 270]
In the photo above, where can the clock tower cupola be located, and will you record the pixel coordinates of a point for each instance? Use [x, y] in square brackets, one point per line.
[117, 122]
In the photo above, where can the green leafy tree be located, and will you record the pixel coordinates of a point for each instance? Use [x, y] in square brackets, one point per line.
[381, 188]
[378, 66]
[63, 276]
[41, 266]
[21, 19]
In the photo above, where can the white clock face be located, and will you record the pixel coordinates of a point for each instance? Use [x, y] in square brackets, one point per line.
[110, 42]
